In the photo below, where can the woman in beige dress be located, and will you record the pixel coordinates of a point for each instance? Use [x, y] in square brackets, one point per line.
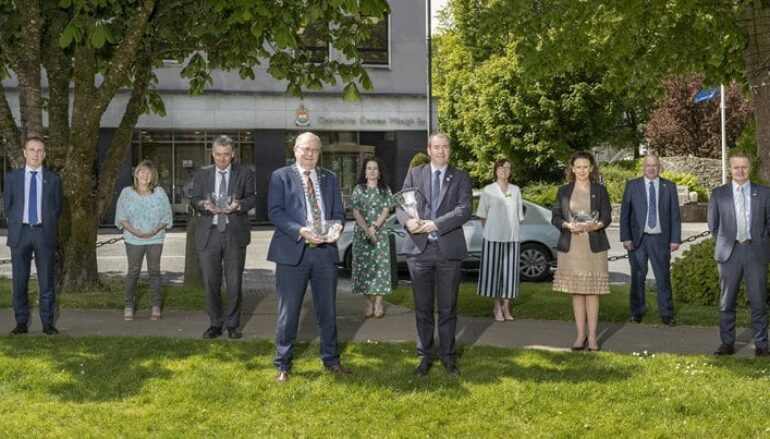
[582, 212]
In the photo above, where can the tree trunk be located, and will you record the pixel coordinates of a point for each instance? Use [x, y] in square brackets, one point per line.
[756, 22]
[192, 269]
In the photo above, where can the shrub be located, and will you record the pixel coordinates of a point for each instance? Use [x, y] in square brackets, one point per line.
[615, 178]
[540, 193]
[689, 180]
[419, 159]
[695, 277]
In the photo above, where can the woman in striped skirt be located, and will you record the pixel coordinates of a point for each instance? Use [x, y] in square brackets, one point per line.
[501, 211]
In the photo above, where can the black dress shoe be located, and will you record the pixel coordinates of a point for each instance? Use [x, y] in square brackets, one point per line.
[725, 349]
[669, 321]
[577, 348]
[234, 333]
[339, 370]
[423, 368]
[19, 329]
[451, 368]
[635, 319]
[50, 330]
[761, 352]
[212, 332]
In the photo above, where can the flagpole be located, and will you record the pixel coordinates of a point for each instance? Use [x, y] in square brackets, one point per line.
[722, 105]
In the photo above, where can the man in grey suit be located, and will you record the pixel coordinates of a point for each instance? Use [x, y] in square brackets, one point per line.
[222, 233]
[650, 229]
[435, 247]
[739, 217]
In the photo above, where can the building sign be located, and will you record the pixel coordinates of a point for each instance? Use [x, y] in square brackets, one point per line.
[302, 118]
[373, 122]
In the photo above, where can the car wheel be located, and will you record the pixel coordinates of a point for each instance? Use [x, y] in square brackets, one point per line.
[349, 259]
[533, 262]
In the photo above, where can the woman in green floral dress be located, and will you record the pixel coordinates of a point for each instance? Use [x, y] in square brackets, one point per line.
[371, 203]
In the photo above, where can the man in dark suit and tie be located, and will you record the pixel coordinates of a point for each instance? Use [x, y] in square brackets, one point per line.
[33, 201]
[650, 229]
[739, 218]
[301, 197]
[435, 247]
[223, 232]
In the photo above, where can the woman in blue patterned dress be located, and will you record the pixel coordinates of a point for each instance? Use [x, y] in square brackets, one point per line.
[144, 214]
[371, 203]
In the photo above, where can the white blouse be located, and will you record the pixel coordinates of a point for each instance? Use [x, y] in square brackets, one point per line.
[503, 212]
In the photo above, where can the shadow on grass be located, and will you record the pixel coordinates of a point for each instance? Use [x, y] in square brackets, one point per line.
[103, 369]
[481, 366]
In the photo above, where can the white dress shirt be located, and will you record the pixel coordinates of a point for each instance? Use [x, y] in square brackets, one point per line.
[217, 179]
[656, 185]
[318, 196]
[39, 201]
[747, 203]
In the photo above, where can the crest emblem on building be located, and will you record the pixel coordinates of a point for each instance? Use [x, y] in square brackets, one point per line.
[302, 118]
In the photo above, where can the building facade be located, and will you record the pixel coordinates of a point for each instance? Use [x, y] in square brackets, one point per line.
[390, 121]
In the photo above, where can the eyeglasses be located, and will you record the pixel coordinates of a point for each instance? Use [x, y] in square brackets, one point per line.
[305, 150]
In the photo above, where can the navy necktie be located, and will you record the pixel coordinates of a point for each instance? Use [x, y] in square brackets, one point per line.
[435, 189]
[221, 217]
[32, 213]
[652, 208]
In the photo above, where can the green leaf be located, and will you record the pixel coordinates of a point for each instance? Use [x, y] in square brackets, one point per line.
[351, 93]
[98, 36]
[67, 36]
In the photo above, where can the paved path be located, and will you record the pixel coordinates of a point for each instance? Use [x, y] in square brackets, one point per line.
[260, 304]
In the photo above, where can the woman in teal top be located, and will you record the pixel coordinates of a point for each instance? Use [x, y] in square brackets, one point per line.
[144, 214]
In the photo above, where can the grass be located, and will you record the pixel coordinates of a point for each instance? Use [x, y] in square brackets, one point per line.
[153, 387]
[111, 296]
[537, 301]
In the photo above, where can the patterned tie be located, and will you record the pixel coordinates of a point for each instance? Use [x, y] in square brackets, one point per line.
[221, 217]
[743, 231]
[435, 189]
[652, 209]
[315, 211]
[32, 213]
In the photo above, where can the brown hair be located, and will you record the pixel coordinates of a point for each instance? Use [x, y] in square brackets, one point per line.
[146, 164]
[34, 139]
[593, 177]
[741, 155]
[499, 164]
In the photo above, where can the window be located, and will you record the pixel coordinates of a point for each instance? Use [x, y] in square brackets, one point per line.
[374, 49]
[314, 42]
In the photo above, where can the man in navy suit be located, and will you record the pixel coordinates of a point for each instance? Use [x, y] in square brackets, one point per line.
[222, 233]
[33, 201]
[739, 218]
[300, 196]
[650, 229]
[435, 247]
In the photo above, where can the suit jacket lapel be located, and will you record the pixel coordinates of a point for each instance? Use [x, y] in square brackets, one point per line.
[445, 184]
[424, 186]
[754, 209]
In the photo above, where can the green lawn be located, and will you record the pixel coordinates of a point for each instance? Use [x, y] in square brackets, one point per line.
[152, 387]
[537, 301]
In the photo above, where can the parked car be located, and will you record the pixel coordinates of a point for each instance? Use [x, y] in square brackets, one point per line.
[538, 243]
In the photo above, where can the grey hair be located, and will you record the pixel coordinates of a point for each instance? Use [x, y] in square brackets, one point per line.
[305, 135]
[439, 134]
[223, 141]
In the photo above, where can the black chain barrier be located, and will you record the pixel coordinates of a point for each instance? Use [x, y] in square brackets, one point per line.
[98, 244]
[690, 239]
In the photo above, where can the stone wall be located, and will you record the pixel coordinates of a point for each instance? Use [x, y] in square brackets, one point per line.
[708, 171]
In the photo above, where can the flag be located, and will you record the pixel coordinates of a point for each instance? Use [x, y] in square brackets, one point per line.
[706, 95]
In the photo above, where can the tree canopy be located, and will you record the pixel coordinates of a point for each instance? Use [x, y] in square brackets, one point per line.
[633, 44]
[88, 50]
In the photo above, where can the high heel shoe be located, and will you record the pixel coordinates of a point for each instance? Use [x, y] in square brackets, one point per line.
[581, 347]
[498, 312]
